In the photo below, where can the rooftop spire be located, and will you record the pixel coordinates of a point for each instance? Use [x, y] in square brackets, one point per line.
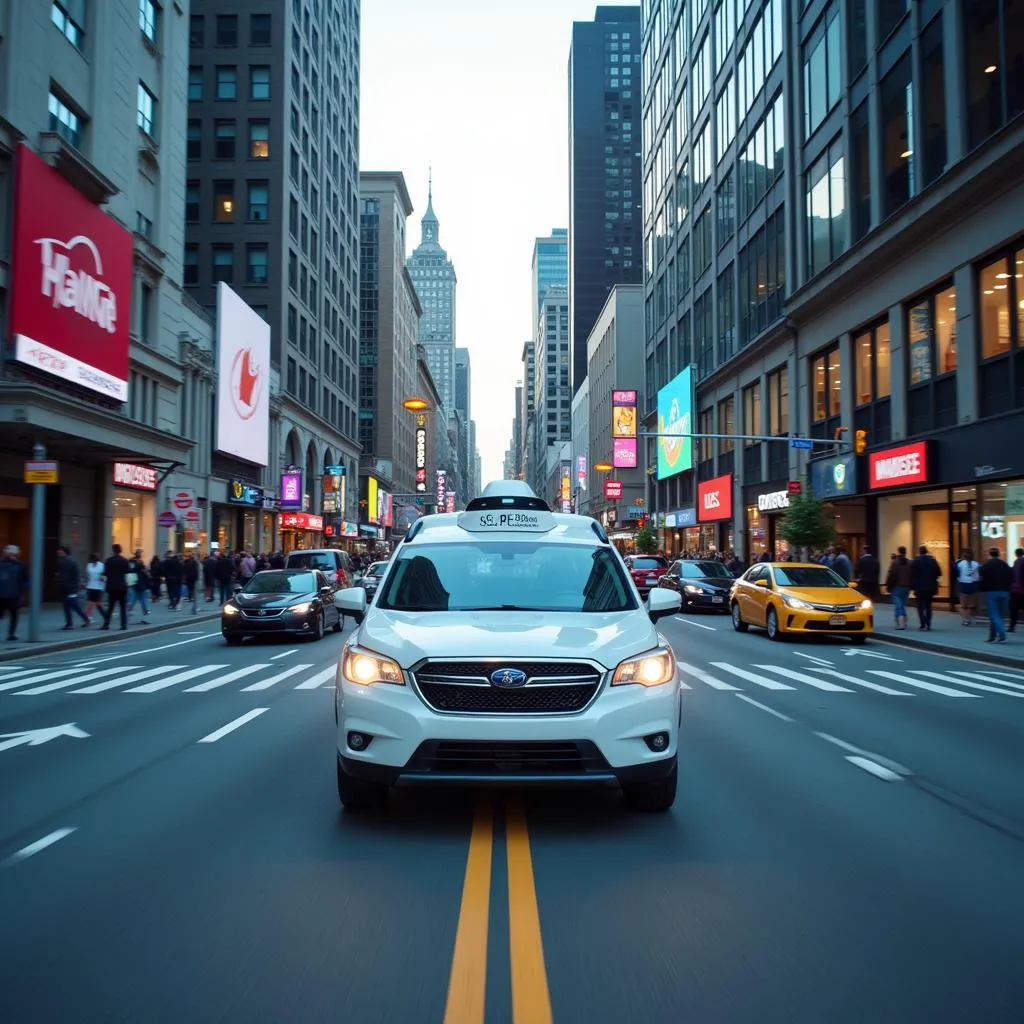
[429, 222]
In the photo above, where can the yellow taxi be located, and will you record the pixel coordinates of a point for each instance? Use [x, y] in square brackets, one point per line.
[799, 598]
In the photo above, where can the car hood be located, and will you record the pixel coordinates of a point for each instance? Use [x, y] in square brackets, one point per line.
[606, 638]
[825, 595]
[712, 583]
[271, 600]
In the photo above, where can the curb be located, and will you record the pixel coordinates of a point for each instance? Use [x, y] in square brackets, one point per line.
[986, 657]
[94, 640]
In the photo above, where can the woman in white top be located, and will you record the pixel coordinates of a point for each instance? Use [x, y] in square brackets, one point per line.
[968, 581]
[95, 584]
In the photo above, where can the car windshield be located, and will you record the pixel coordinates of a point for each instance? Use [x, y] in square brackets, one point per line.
[704, 571]
[507, 576]
[647, 563]
[281, 583]
[377, 569]
[312, 560]
[809, 576]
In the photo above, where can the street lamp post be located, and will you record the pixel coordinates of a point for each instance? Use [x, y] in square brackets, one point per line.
[36, 553]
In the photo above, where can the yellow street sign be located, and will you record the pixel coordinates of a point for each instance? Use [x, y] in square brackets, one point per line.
[42, 472]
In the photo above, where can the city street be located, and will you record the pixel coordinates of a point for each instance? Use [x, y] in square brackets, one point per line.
[846, 846]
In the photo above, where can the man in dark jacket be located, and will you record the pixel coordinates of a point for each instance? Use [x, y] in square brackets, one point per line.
[69, 579]
[925, 574]
[115, 571]
[1017, 590]
[224, 571]
[868, 573]
[173, 573]
[13, 588]
[996, 581]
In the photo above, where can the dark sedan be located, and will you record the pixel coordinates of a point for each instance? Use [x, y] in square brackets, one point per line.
[282, 602]
[372, 578]
[702, 583]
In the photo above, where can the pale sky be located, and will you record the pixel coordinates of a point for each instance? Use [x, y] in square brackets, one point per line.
[479, 90]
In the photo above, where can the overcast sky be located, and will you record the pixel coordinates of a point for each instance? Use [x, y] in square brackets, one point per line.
[478, 90]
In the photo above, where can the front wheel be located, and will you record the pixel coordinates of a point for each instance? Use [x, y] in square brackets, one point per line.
[318, 632]
[772, 625]
[653, 797]
[339, 625]
[360, 795]
[232, 641]
[737, 619]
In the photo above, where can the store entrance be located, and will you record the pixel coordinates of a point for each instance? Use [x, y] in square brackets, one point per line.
[932, 529]
[961, 534]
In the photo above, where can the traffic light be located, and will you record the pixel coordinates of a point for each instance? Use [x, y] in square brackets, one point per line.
[860, 441]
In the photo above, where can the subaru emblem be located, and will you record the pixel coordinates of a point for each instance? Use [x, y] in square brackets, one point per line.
[508, 678]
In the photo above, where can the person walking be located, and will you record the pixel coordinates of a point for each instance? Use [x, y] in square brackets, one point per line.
[94, 585]
[69, 579]
[868, 572]
[171, 570]
[140, 589]
[897, 582]
[996, 582]
[224, 571]
[925, 573]
[14, 583]
[155, 577]
[967, 581]
[115, 571]
[1017, 590]
[191, 574]
[842, 566]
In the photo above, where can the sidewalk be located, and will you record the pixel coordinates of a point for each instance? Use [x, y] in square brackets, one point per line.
[948, 636]
[54, 639]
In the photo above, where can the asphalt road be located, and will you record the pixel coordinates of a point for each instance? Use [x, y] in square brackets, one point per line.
[835, 855]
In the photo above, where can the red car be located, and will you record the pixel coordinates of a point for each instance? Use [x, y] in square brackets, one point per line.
[646, 570]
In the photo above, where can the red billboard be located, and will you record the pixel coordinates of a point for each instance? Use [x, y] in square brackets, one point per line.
[71, 294]
[899, 467]
[714, 499]
[613, 489]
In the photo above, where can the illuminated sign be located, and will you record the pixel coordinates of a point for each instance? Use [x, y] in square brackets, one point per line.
[624, 448]
[613, 489]
[138, 478]
[441, 493]
[773, 502]
[675, 416]
[714, 499]
[897, 467]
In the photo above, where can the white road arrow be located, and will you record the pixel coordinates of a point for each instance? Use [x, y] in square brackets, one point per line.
[852, 651]
[33, 737]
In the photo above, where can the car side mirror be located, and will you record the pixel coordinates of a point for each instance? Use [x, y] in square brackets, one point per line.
[853, 584]
[763, 584]
[661, 603]
[351, 601]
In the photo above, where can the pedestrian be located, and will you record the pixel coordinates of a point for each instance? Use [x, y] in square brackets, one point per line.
[116, 570]
[155, 577]
[13, 588]
[94, 585]
[967, 582]
[140, 589]
[868, 573]
[842, 566]
[224, 571]
[191, 571]
[170, 569]
[996, 582]
[69, 579]
[925, 573]
[1017, 590]
[897, 582]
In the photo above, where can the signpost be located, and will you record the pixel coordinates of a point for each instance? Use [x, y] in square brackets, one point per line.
[801, 443]
[168, 520]
[38, 473]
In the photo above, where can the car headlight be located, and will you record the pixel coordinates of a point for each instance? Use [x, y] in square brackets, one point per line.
[230, 609]
[365, 668]
[300, 609]
[865, 604]
[691, 589]
[795, 602]
[651, 669]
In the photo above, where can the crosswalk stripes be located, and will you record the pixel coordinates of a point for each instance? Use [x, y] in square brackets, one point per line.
[180, 677]
[906, 680]
[314, 682]
[704, 677]
[35, 676]
[966, 682]
[213, 684]
[802, 677]
[265, 684]
[991, 677]
[78, 678]
[768, 684]
[878, 687]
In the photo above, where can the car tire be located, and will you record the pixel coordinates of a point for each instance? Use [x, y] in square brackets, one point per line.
[771, 623]
[318, 633]
[737, 619]
[653, 797]
[232, 641]
[339, 625]
[359, 794]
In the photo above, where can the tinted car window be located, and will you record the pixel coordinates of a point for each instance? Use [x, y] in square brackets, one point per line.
[647, 563]
[705, 570]
[283, 583]
[377, 569]
[809, 576]
[323, 560]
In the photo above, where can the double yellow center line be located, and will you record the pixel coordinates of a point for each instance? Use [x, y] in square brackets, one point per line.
[467, 986]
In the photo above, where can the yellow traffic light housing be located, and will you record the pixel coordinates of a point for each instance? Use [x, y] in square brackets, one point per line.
[860, 441]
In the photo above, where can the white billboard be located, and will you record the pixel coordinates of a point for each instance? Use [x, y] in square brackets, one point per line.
[243, 379]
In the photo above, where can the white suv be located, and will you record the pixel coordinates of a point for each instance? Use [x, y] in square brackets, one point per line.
[507, 643]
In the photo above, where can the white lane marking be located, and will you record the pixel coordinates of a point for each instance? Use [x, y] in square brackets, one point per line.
[78, 678]
[768, 684]
[37, 677]
[893, 766]
[266, 684]
[853, 652]
[113, 684]
[764, 707]
[864, 682]
[1009, 675]
[41, 844]
[697, 673]
[180, 677]
[190, 632]
[690, 622]
[149, 650]
[284, 654]
[964, 682]
[10, 668]
[921, 684]
[232, 726]
[814, 658]
[319, 679]
[212, 684]
[800, 677]
[989, 678]
[877, 770]
[36, 737]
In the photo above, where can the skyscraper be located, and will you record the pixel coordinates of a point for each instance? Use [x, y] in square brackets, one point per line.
[605, 219]
[553, 394]
[434, 276]
[550, 265]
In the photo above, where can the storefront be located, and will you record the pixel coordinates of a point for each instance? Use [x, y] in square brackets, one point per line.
[682, 534]
[764, 507]
[836, 481]
[133, 508]
[714, 514]
[300, 531]
[239, 524]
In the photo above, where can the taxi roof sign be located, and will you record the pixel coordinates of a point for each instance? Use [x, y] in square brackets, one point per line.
[512, 520]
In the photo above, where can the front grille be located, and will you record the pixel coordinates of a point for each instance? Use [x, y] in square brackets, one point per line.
[464, 687]
[824, 627]
[835, 607]
[450, 757]
[262, 613]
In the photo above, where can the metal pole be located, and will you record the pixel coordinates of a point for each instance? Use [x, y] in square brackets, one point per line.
[829, 442]
[36, 555]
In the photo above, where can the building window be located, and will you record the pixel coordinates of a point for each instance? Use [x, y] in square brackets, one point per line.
[871, 363]
[932, 359]
[889, 14]
[933, 103]
[897, 137]
[823, 81]
[860, 173]
[146, 111]
[752, 411]
[256, 260]
[704, 334]
[191, 265]
[192, 199]
[992, 51]
[195, 84]
[726, 425]
[227, 83]
[726, 315]
[227, 29]
[1001, 304]
[148, 13]
[826, 385]
[224, 202]
[259, 82]
[259, 200]
[706, 445]
[224, 140]
[259, 140]
[702, 242]
[145, 311]
[69, 17]
[725, 31]
[143, 225]
[196, 30]
[194, 144]
[762, 278]
[293, 163]
[826, 209]
[778, 401]
[725, 113]
[293, 270]
[259, 30]
[63, 120]
[856, 37]
[762, 159]
[223, 264]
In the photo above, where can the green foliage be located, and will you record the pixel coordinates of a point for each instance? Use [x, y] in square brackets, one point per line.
[646, 540]
[806, 524]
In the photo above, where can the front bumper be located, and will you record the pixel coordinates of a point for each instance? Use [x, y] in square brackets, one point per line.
[707, 602]
[859, 623]
[285, 624]
[604, 743]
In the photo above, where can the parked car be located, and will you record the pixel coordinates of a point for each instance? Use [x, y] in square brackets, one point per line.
[646, 570]
[700, 583]
[282, 602]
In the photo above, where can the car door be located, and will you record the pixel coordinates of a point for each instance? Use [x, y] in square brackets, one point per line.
[751, 605]
[671, 580]
[325, 584]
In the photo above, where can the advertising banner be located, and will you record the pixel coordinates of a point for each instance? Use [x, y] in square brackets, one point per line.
[624, 452]
[624, 446]
[421, 452]
[72, 282]
[441, 493]
[834, 478]
[372, 500]
[613, 489]
[675, 416]
[136, 478]
[243, 379]
[566, 488]
[302, 521]
[581, 471]
[450, 501]
[714, 499]
[291, 490]
[334, 488]
[899, 467]
[241, 493]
